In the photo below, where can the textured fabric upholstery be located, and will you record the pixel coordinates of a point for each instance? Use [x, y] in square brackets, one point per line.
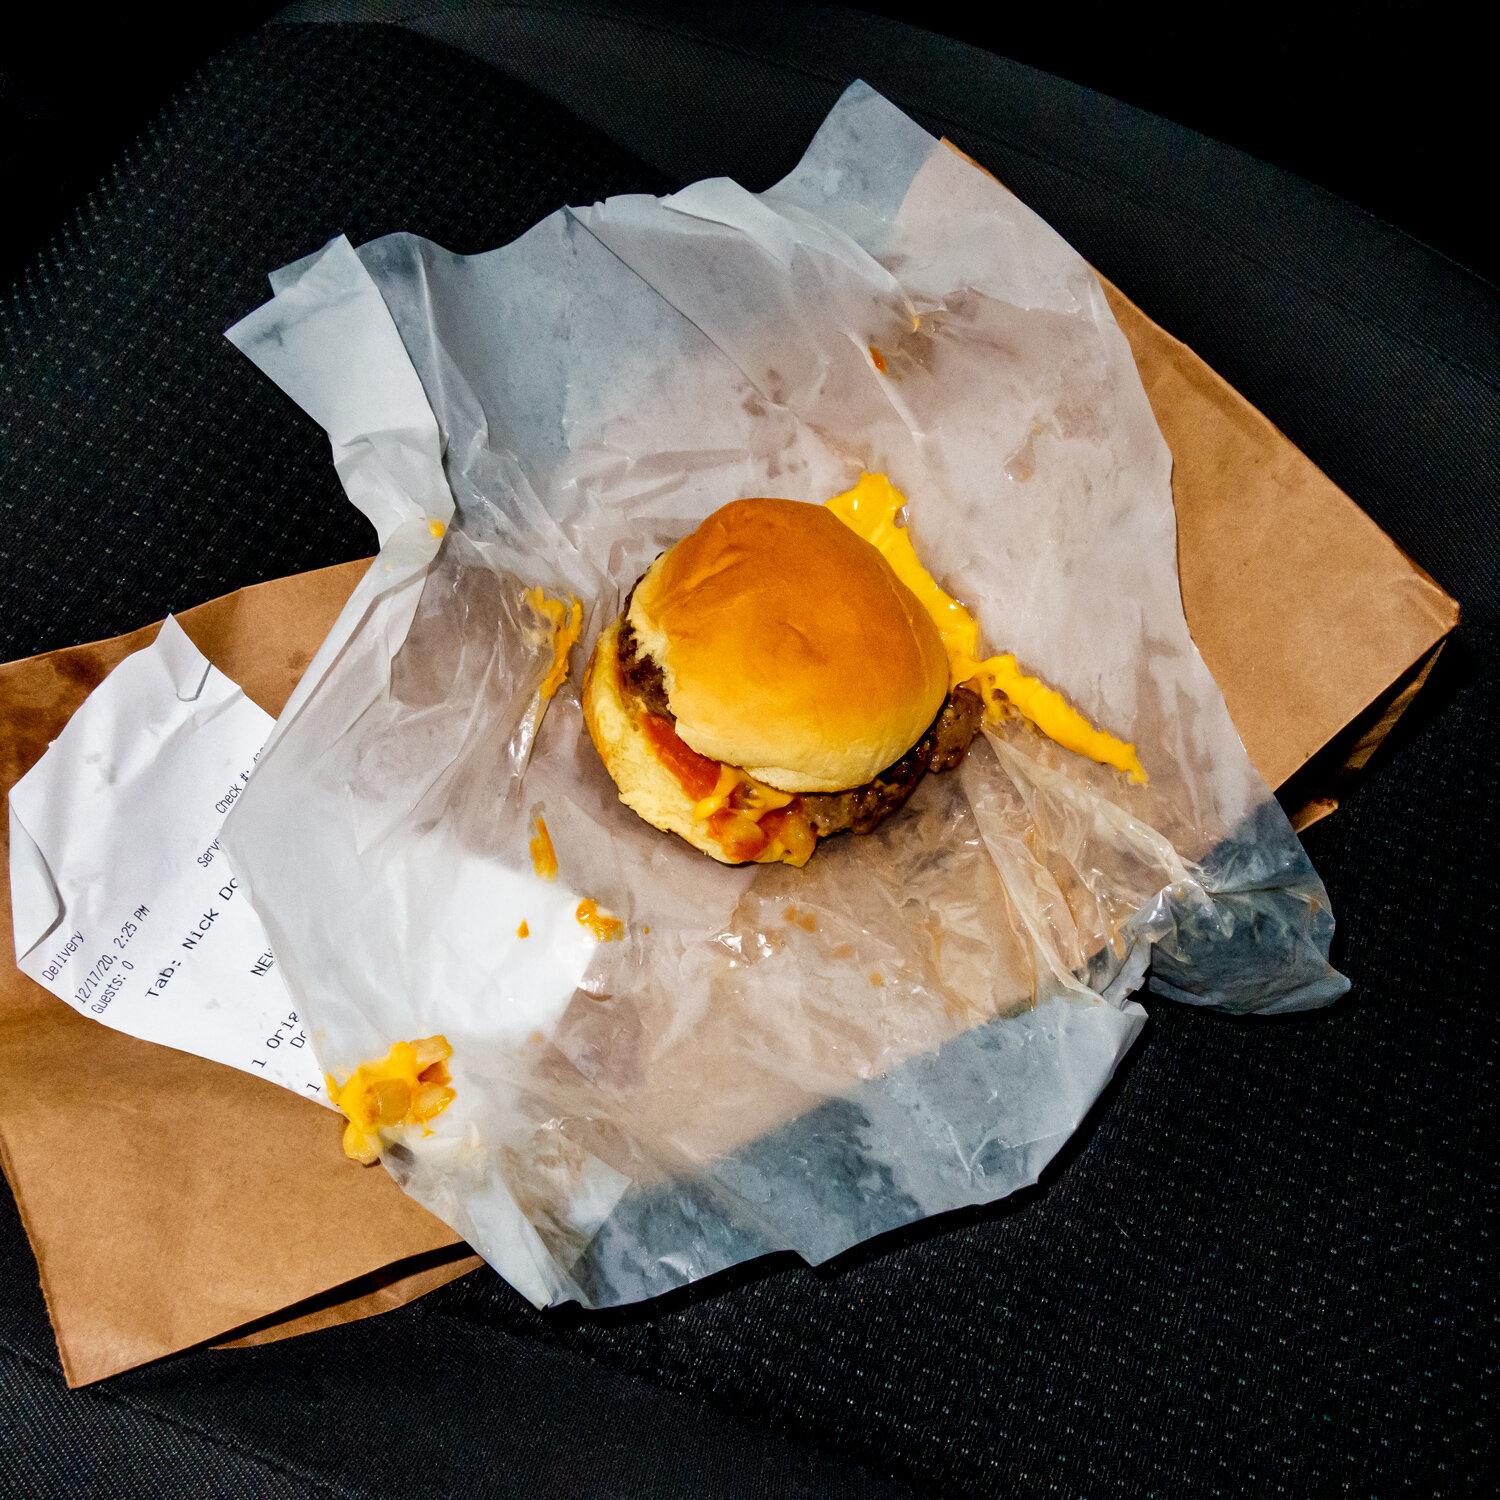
[1267, 1264]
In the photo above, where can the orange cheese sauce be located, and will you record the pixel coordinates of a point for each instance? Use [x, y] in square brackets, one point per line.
[543, 855]
[739, 837]
[523, 931]
[565, 621]
[869, 509]
[410, 1086]
[606, 928]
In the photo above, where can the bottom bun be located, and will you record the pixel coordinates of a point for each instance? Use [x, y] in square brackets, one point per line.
[646, 786]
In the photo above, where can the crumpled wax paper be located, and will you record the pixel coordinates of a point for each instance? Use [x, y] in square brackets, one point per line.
[769, 1058]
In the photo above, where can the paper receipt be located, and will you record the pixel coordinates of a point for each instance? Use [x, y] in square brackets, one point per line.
[124, 904]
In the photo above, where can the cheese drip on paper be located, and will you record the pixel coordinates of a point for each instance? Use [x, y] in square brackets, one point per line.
[605, 926]
[564, 622]
[409, 1086]
[869, 510]
[543, 855]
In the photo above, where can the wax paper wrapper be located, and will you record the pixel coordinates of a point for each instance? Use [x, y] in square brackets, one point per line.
[767, 1058]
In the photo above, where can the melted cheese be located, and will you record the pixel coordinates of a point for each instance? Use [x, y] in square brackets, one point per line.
[736, 824]
[731, 803]
[409, 1087]
[755, 801]
[543, 855]
[869, 509]
[606, 928]
[564, 621]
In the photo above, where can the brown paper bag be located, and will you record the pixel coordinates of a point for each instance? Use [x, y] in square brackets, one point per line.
[171, 1201]
[168, 1199]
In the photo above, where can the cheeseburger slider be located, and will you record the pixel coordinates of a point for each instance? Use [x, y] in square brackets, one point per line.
[772, 681]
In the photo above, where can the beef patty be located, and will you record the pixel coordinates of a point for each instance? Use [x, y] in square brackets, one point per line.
[862, 809]
[640, 674]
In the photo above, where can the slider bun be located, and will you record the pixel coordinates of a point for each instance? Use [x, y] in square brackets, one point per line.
[646, 786]
[789, 647]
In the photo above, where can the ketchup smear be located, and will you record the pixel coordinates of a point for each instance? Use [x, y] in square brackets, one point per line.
[697, 774]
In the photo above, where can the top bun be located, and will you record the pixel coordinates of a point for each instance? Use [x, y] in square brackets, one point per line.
[789, 647]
